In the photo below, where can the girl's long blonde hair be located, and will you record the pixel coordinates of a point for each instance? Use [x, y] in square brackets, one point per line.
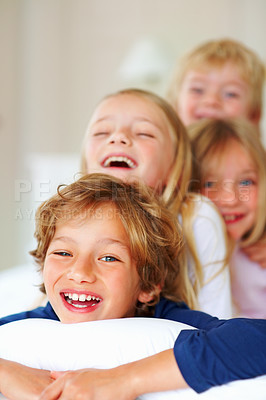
[175, 194]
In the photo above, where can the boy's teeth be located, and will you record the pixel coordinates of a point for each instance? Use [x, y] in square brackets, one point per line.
[81, 297]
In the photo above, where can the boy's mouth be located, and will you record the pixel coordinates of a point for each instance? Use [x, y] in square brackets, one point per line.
[119, 162]
[80, 300]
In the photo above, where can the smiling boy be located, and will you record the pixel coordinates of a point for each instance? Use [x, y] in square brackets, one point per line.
[82, 271]
[108, 249]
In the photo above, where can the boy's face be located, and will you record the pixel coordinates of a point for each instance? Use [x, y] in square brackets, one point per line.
[89, 273]
[232, 184]
[213, 92]
[128, 137]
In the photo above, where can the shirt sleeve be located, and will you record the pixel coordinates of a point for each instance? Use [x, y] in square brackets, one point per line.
[234, 350]
[46, 312]
[215, 295]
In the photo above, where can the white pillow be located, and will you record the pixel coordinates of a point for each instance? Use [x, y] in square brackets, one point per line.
[52, 345]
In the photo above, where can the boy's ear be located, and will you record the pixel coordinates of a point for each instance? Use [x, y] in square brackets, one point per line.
[146, 297]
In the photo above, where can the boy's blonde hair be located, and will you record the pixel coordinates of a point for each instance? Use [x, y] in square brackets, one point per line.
[154, 235]
[215, 54]
[209, 140]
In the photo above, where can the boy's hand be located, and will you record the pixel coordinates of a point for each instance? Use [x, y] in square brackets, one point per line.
[152, 374]
[257, 252]
[89, 384]
[18, 382]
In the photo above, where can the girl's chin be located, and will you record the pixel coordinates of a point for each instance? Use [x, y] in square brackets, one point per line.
[235, 236]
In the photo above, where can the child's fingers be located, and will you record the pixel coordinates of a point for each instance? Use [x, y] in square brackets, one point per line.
[56, 374]
[55, 389]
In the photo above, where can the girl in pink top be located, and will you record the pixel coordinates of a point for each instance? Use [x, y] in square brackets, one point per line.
[230, 169]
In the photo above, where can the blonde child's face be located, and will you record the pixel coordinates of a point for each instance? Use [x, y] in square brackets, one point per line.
[232, 184]
[128, 137]
[213, 92]
[89, 273]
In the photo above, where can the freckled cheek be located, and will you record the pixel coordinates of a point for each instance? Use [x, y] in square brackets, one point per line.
[47, 278]
[51, 275]
[127, 280]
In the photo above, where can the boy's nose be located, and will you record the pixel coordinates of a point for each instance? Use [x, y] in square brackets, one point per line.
[81, 272]
[120, 137]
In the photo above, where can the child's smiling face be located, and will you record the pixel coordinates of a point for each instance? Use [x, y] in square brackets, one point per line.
[213, 92]
[89, 273]
[231, 182]
[128, 137]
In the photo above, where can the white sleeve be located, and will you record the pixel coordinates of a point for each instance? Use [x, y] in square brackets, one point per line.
[215, 295]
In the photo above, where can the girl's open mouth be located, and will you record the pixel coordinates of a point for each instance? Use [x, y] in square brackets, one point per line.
[119, 162]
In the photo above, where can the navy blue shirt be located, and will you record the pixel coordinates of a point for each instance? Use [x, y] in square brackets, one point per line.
[220, 351]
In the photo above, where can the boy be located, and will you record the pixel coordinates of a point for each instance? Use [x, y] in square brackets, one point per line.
[110, 250]
[218, 79]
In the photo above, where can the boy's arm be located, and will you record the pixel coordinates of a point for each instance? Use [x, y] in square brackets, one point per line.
[235, 349]
[152, 374]
[19, 382]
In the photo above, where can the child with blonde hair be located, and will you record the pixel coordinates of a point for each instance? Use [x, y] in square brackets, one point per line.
[110, 250]
[221, 79]
[136, 135]
[230, 169]
[218, 79]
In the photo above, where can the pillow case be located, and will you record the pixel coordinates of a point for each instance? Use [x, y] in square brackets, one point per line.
[52, 345]
[49, 344]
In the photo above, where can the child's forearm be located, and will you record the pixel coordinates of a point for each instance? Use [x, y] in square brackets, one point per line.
[3, 364]
[153, 374]
[20, 382]
[126, 382]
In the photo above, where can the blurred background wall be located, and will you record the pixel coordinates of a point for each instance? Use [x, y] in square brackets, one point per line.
[60, 57]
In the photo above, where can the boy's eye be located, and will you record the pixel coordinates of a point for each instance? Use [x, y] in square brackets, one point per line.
[62, 253]
[108, 259]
